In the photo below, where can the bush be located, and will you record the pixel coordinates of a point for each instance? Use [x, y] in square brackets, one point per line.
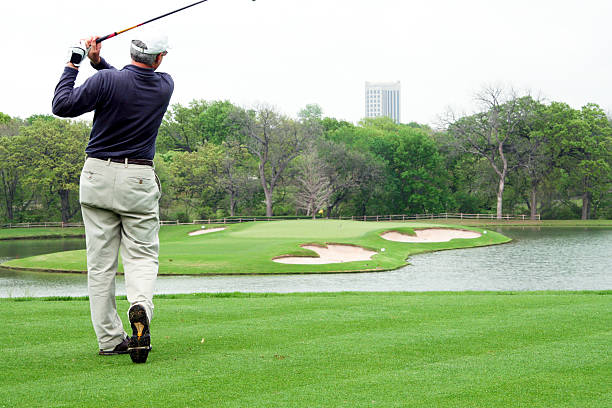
[180, 216]
[562, 211]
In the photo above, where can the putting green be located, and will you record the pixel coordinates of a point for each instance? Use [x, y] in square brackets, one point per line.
[249, 248]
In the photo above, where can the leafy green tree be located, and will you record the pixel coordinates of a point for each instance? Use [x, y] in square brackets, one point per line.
[530, 150]
[423, 181]
[539, 156]
[56, 154]
[413, 177]
[9, 126]
[585, 154]
[4, 118]
[185, 128]
[31, 119]
[311, 112]
[332, 124]
[220, 122]
[12, 172]
[181, 128]
[192, 176]
[470, 183]
[12, 168]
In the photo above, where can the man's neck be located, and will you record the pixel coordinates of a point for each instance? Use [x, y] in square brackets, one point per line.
[141, 65]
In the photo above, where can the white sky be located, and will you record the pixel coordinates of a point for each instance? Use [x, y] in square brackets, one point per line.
[289, 53]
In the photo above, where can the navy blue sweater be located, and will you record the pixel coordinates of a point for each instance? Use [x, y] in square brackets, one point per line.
[129, 107]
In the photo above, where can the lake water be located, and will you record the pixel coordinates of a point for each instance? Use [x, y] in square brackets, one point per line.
[538, 259]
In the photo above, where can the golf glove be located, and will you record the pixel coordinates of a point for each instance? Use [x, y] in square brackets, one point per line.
[77, 53]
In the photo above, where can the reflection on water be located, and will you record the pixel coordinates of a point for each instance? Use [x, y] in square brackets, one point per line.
[537, 259]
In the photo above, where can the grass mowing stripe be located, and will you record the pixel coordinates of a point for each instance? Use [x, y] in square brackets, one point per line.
[343, 350]
[450, 380]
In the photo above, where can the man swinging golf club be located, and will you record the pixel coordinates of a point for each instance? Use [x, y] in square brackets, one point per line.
[119, 190]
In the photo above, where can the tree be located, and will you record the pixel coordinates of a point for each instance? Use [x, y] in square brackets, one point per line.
[192, 176]
[422, 179]
[314, 189]
[181, 128]
[12, 168]
[585, 153]
[12, 172]
[415, 180]
[491, 133]
[470, 182]
[311, 112]
[9, 126]
[56, 154]
[527, 150]
[184, 128]
[235, 172]
[4, 118]
[348, 171]
[275, 140]
[219, 121]
[537, 158]
[332, 124]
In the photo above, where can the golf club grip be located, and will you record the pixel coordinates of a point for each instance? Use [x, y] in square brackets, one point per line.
[106, 37]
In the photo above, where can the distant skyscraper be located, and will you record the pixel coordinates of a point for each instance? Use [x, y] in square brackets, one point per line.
[382, 99]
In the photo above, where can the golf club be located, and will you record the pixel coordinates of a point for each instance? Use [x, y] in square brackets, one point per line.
[106, 37]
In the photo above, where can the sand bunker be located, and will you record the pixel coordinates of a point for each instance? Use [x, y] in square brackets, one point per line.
[205, 231]
[333, 253]
[430, 235]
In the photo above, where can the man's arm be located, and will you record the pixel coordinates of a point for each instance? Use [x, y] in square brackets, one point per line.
[69, 101]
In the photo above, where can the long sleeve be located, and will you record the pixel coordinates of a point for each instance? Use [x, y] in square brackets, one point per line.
[102, 65]
[69, 101]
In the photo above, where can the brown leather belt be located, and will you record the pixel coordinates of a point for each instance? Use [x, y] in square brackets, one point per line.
[143, 162]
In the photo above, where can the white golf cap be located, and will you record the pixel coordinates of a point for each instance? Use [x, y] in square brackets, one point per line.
[156, 43]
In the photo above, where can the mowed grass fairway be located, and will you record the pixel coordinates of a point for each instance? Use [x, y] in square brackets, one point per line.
[249, 248]
[320, 350]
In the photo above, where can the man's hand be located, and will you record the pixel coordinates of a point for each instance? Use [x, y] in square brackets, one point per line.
[76, 54]
[94, 49]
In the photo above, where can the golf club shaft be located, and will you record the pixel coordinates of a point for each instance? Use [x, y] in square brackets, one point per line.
[106, 37]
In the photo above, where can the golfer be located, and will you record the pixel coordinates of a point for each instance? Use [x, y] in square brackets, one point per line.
[119, 190]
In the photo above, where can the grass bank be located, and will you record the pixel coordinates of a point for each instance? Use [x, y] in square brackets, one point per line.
[249, 248]
[41, 233]
[525, 223]
[320, 350]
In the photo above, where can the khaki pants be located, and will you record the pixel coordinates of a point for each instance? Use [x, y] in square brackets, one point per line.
[120, 210]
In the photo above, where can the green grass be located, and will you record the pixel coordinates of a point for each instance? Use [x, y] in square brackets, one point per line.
[40, 233]
[320, 350]
[249, 248]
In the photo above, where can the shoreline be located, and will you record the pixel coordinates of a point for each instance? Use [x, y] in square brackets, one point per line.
[76, 272]
[209, 295]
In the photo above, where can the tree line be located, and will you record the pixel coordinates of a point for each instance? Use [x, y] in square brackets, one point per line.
[516, 154]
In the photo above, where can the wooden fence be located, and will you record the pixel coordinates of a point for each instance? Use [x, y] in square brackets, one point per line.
[235, 220]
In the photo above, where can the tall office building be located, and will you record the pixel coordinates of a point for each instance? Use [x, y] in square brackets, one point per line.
[382, 99]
